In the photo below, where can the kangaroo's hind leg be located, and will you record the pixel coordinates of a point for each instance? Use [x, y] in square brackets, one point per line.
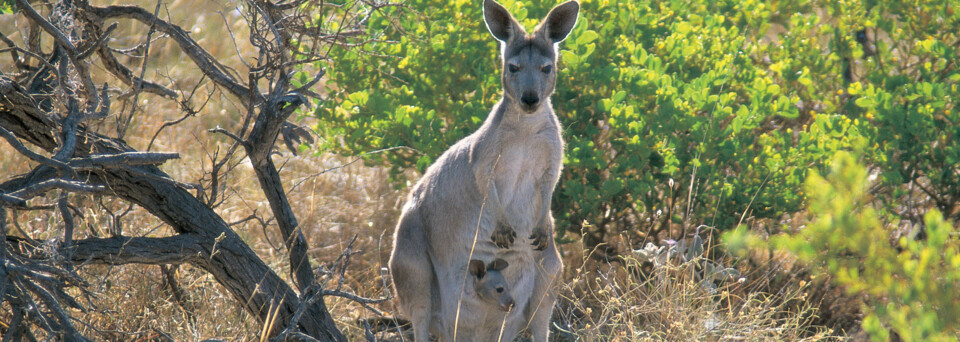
[412, 275]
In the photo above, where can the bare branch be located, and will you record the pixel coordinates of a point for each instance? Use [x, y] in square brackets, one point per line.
[356, 298]
[66, 326]
[67, 219]
[11, 201]
[97, 44]
[186, 108]
[38, 188]
[201, 57]
[122, 160]
[137, 84]
[35, 17]
[51, 115]
[93, 100]
[122, 250]
[21, 64]
[164, 178]
[126, 76]
[63, 167]
[229, 134]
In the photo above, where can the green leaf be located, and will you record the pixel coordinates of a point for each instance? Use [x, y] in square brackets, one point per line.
[619, 96]
[773, 89]
[570, 58]
[7, 7]
[865, 102]
[791, 113]
[587, 36]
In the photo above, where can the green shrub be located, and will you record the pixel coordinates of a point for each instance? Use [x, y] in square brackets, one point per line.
[912, 283]
[651, 93]
[676, 113]
[902, 94]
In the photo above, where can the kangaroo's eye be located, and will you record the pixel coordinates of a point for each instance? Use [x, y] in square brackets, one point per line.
[513, 68]
[546, 69]
[499, 290]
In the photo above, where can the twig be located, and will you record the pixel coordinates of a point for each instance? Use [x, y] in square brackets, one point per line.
[229, 134]
[21, 64]
[206, 63]
[39, 188]
[311, 83]
[14, 49]
[315, 292]
[138, 82]
[12, 201]
[112, 65]
[184, 105]
[12, 139]
[96, 45]
[53, 305]
[746, 210]
[68, 223]
[35, 17]
[93, 100]
[362, 300]
[233, 39]
[358, 158]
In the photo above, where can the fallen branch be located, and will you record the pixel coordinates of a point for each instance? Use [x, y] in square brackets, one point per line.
[121, 160]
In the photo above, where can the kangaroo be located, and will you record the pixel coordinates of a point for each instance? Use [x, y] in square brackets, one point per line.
[490, 285]
[484, 192]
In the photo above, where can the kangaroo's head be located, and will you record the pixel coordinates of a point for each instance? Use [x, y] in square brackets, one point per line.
[529, 60]
[490, 284]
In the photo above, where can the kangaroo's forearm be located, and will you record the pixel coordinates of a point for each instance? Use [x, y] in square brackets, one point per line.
[547, 185]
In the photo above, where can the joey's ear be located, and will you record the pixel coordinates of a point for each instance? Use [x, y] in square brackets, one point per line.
[501, 24]
[560, 21]
[497, 264]
[477, 269]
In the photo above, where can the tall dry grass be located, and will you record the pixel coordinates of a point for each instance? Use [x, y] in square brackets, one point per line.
[334, 200]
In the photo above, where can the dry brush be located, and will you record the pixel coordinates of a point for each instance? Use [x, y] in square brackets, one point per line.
[54, 113]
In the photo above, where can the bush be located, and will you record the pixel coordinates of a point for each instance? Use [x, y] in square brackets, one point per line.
[677, 113]
[911, 284]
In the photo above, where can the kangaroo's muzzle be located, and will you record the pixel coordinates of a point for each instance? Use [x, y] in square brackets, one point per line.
[529, 102]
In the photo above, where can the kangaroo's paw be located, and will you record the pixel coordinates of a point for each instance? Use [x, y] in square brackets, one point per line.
[540, 239]
[503, 236]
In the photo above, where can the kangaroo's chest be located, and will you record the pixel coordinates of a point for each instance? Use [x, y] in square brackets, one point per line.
[523, 163]
[518, 171]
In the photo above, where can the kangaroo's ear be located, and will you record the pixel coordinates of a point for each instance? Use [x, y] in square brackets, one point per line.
[477, 269]
[501, 24]
[497, 264]
[560, 21]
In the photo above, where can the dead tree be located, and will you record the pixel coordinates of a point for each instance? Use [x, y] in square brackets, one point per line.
[48, 99]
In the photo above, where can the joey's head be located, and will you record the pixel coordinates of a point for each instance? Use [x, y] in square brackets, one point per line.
[490, 284]
[529, 60]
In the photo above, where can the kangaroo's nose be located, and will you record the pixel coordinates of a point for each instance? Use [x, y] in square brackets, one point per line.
[530, 99]
[506, 304]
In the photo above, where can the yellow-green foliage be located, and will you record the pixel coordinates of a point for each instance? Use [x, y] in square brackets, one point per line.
[911, 283]
[739, 98]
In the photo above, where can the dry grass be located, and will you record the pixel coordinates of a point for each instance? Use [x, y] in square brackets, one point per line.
[600, 302]
[635, 300]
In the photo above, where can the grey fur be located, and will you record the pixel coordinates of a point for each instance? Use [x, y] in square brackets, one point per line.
[490, 285]
[486, 191]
